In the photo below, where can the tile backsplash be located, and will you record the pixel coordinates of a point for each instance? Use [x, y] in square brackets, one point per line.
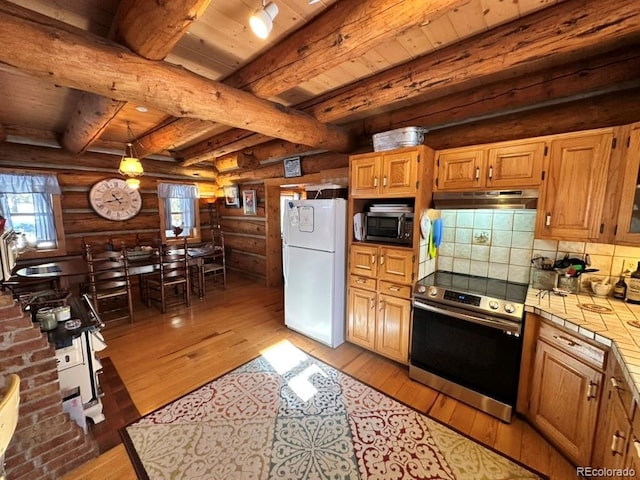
[501, 243]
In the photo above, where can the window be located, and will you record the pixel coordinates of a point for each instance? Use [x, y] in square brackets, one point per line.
[179, 211]
[30, 203]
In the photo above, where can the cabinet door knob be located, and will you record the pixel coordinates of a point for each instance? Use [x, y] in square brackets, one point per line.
[375, 181]
[490, 172]
[615, 384]
[373, 258]
[477, 173]
[373, 304]
[381, 259]
[384, 181]
[547, 220]
[381, 305]
[394, 289]
[566, 340]
[361, 281]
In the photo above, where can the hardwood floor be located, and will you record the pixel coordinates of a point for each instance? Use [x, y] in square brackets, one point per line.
[161, 357]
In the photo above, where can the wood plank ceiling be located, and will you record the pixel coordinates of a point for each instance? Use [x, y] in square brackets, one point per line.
[75, 73]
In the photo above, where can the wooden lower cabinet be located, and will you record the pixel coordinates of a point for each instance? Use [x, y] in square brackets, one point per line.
[565, 397]
[379, 322]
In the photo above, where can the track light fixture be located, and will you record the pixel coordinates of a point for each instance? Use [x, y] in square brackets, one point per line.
[262, 19]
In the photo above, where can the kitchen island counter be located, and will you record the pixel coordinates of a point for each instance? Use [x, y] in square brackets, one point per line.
[608, 321]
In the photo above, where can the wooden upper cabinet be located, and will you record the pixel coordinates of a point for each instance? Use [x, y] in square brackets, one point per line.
[628, 226]
[500, 165]
[459, 168]
[381, 174]
[571, 201]
[515, 165]
[365, 175]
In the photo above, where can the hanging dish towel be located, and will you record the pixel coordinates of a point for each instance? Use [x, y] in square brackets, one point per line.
[437, 232]
[432, 248]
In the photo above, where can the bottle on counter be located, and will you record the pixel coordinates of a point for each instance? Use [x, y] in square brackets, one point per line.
[620, 288]
[633, 289]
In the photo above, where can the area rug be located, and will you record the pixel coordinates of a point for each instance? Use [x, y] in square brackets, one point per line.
[286, 415]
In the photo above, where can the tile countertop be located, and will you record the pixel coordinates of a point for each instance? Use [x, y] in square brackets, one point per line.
[611, 329]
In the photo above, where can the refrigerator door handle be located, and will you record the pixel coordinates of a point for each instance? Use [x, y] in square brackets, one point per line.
[285, 261]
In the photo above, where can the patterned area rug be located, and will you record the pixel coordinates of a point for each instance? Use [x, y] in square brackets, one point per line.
[286, 415]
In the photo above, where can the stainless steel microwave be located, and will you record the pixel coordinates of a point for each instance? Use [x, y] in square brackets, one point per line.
[392, 227]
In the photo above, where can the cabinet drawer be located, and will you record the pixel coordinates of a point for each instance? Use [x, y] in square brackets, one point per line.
[573, 345]
[362, 282]
[390, 288]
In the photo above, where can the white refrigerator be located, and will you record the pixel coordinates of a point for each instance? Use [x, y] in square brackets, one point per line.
[314, 267]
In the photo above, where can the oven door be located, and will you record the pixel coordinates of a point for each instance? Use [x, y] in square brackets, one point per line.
[480, 353]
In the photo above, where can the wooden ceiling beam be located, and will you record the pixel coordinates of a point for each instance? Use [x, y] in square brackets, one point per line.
[586, 27]
[3, 134]
[570, 30]
[149, 28]
[616, 108]
[613, 71]
[334, 37]
[50, 49]
[226, 143]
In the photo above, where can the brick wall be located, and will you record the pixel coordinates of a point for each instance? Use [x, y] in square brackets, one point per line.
[47, 443]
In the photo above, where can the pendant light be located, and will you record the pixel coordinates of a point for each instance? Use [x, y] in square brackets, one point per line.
[130, 165]
[262, 19]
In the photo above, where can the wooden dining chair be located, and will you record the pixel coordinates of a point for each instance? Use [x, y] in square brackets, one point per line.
[172, 274]
[9, 407]
[109, 284]
[213, 263]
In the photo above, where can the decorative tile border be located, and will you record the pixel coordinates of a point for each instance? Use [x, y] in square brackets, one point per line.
[610, 330]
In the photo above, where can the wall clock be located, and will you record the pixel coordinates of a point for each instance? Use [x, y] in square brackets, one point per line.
[111, 198]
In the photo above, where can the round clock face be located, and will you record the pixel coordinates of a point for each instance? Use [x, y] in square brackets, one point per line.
[111, 198]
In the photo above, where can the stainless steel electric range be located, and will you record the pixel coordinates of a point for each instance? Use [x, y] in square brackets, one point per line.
[466, 339]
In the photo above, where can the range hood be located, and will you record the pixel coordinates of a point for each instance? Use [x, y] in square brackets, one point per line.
[488, 199]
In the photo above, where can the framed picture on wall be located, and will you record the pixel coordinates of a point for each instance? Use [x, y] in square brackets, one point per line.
[232, 196]
[292, 167]
[249, 201]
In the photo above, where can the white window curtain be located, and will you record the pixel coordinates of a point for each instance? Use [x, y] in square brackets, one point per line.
[41, 187]
[186, 195]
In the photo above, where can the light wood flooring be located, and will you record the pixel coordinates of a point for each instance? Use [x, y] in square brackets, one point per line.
[161, 357]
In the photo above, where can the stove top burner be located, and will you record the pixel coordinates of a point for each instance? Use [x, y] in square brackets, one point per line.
[481, 286]
[498, 298]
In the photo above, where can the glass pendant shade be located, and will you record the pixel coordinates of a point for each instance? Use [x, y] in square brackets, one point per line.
[262, 20]
[130, 165]
[133, 183]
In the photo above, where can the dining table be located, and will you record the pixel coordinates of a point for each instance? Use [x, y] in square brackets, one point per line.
[66, 272]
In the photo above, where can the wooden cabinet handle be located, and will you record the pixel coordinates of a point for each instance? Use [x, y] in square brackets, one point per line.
[373, 259]
[361, 281]
[615, 384]
[394, 289]
[375, 181]
[592, 390]
[373, 304]
[381, 259]
[477, 173]
[636, 444]
[384, 181]
[381, 305]
[566, 340]
[547, 220]
[490, 172]
[617, 443]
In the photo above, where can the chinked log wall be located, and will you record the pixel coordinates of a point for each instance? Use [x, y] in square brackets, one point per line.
[245, 236]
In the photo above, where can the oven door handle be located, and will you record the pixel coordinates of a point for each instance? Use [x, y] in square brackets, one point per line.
[504, 325]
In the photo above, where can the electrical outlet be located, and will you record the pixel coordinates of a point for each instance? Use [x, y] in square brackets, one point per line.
[630, 265]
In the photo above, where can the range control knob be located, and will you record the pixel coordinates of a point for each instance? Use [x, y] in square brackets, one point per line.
[509, 308]
[493, 305]
[421, 289]
[433, 291]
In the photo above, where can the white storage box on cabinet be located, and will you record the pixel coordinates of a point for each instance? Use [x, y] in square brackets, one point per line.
[398, 138]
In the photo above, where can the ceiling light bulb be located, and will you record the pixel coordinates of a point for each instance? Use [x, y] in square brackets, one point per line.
[262, 20]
